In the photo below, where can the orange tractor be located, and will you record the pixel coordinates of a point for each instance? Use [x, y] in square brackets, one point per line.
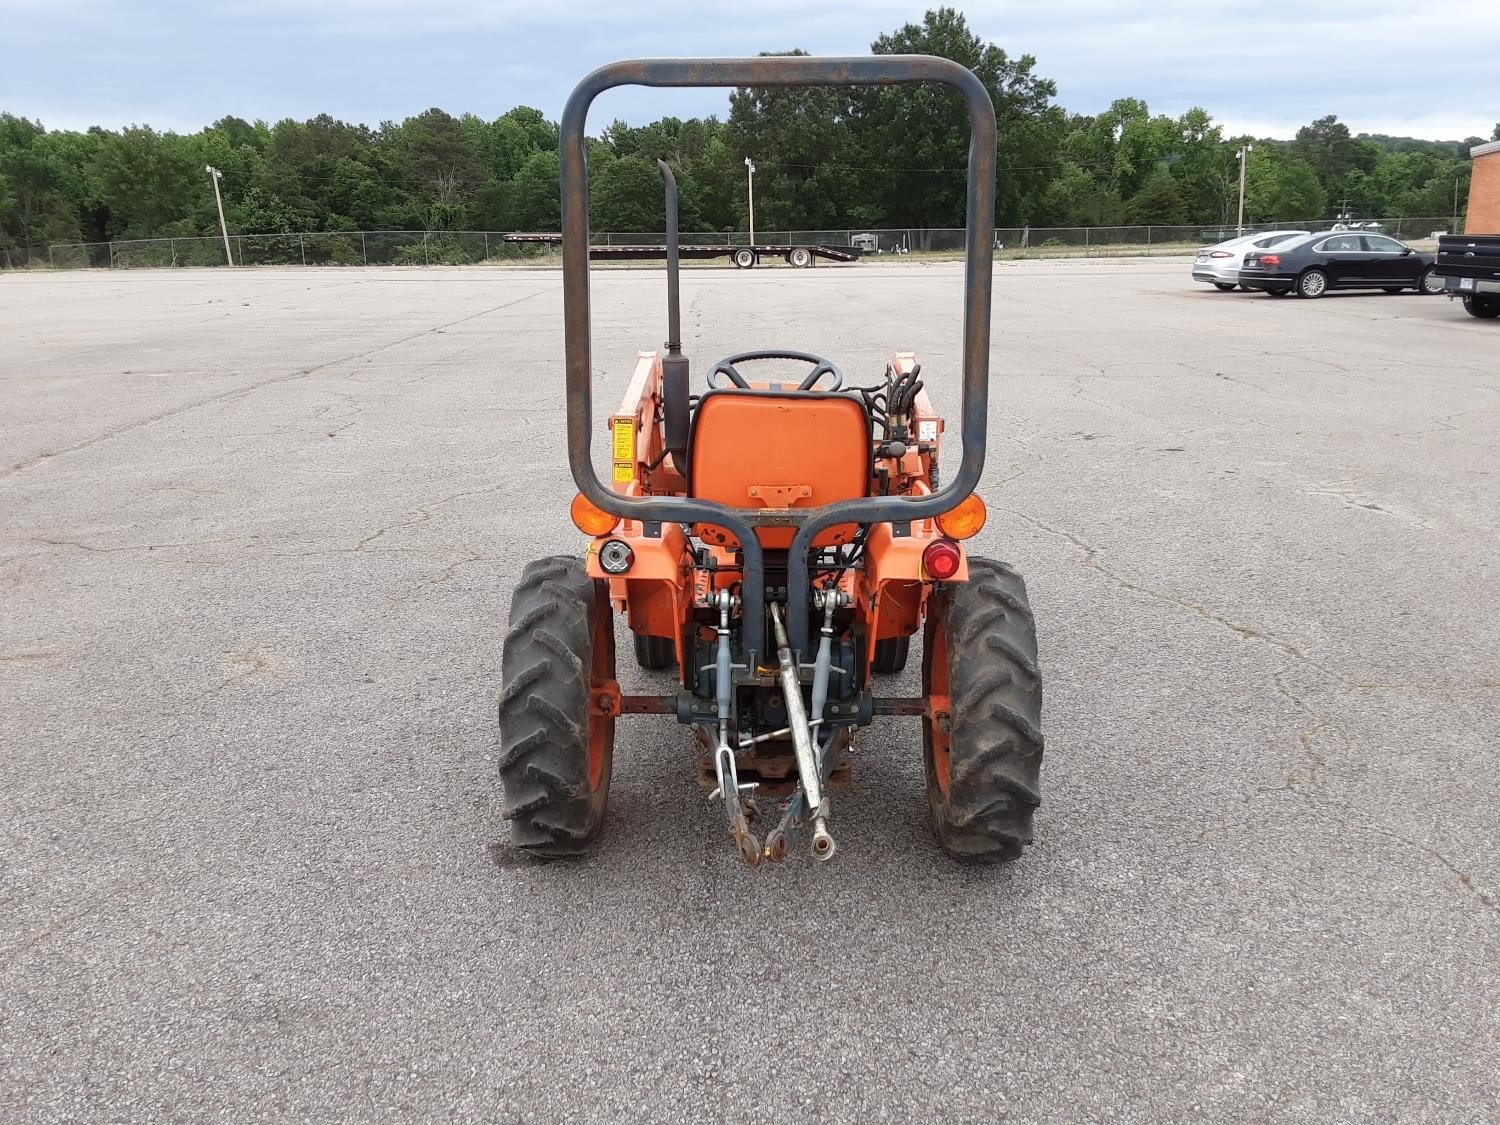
[776, 541]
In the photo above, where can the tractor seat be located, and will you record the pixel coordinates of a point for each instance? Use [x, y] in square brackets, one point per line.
[763, 448]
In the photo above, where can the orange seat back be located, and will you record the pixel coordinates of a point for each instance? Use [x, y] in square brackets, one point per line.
[778, 449]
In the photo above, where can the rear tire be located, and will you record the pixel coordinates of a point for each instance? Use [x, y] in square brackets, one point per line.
[1482, 305]
[1277, 292]
[1224, 287]
[556, 755]
[655, 654]
[1312, 284]
[890, 655]
[800, 257]
[984, 761]
[743, 258]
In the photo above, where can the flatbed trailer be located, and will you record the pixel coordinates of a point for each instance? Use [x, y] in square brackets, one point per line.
[800, 255]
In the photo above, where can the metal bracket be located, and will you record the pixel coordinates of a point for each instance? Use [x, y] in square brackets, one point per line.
[779, 495]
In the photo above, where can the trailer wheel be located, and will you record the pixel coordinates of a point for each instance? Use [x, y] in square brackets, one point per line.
[744, 258]
[800, 257]
[556, 753]
[982, 738]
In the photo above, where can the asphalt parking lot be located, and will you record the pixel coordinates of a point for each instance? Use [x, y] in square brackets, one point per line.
[257, 535]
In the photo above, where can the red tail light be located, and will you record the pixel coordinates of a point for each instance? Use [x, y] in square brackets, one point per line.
[1270, 259]
[941, 558]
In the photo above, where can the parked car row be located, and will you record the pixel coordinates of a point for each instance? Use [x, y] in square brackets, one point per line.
[1220, 265]
[1312, 264]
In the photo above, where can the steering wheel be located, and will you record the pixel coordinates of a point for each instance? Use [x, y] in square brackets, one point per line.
[725, 369]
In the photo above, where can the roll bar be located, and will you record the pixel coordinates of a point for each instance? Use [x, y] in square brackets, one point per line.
[779, 70]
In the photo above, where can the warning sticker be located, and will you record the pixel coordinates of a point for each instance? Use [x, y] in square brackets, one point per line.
[624, 439]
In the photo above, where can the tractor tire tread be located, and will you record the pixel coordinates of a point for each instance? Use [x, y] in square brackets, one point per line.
[544, 712]
[996, 743]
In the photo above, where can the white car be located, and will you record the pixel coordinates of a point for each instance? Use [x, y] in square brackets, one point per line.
[1220, 265]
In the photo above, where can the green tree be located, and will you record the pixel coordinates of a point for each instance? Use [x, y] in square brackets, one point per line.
[536, 204]
[798, 138]
[437, 154]
[1280, 188]
[914, 140]
[151, 182]
[1074, 198]
[39, 193]
[1203, 167]
[1160, 200]
[626, 195]
[1327, 145]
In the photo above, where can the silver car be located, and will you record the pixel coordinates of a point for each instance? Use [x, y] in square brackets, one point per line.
[1220, 265]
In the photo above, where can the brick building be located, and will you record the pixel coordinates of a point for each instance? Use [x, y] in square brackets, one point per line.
[1484, 190]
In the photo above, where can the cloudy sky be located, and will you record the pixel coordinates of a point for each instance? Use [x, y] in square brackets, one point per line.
[1428, 68]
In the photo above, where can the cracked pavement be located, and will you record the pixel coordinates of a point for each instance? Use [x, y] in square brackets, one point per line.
[257, 536]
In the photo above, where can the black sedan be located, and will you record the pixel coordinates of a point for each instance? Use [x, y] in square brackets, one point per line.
[1313, 264]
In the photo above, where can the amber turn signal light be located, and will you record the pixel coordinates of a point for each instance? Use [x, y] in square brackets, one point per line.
[964, 521]
[591, 519]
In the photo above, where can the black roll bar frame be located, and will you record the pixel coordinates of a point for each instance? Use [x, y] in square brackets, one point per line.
[779, 70]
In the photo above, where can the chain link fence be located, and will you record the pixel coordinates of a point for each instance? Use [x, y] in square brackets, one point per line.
[313, 248]
[452, 248]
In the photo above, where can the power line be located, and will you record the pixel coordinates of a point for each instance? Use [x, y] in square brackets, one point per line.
[1086, 164]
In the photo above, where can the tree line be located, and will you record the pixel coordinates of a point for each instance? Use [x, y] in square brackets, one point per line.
[826, 159]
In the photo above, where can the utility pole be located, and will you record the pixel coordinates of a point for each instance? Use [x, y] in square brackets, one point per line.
[1456, 182]
[216, 176]
[1244, 152]
[750, 182]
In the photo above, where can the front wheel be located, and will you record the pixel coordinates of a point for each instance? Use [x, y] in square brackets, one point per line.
[890, 655]
[655, 654]
[1482, 305]
[982, 736]
[1313, 283]
[1429, 284]
[556, 753]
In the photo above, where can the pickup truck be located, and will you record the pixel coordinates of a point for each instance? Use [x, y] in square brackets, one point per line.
[1469, 265]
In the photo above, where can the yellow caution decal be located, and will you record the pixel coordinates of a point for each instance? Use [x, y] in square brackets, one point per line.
[623, 430]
